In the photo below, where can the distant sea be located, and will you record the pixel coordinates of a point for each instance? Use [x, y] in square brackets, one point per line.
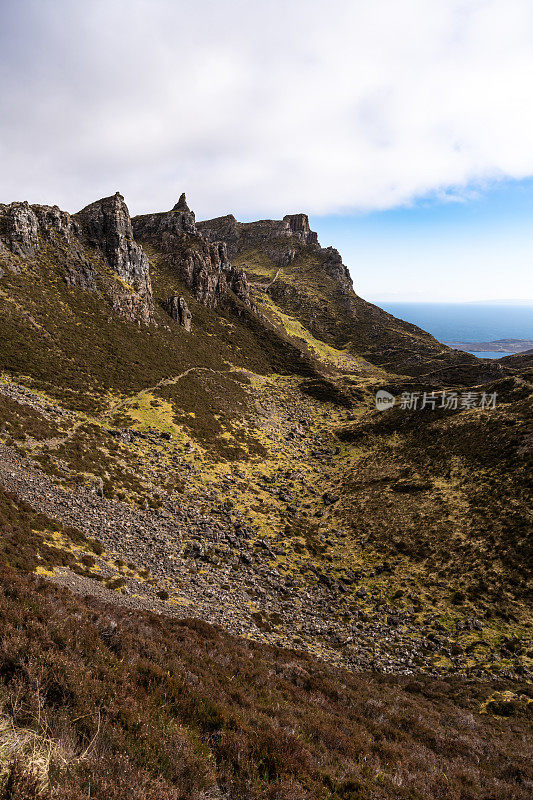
[467, 322]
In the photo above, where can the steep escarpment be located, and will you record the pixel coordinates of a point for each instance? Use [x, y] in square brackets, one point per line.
[284, 261]
[276, 237]
[25, 232]
[93, 249]
[106, 227]
[96, 249]
[202, 263]
[22, 226]
[270, 265]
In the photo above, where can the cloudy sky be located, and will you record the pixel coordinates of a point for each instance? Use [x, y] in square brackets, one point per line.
[403, 127]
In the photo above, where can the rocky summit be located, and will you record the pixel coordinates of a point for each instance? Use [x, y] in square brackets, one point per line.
[226, 572]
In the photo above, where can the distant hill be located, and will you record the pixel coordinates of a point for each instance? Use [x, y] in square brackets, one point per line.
[496, 346]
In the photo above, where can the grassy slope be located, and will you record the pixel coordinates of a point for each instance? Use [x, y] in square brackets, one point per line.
[306, 291]
[443, 501]
[115, 705]
[68, 341]
[93, 360]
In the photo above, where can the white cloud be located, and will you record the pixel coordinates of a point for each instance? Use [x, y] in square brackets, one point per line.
[263, 108]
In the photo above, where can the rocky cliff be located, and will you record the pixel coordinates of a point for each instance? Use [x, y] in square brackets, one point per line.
[96, 249]
[241, 235]
[201, 262]
[106, 226]
[27, 230]
[276, 265]
[284, 260]
[276, 237]
[82, 245]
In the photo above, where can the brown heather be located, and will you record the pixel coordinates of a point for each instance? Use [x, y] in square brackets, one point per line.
[140, 706]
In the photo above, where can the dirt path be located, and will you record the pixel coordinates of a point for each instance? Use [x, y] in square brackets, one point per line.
[164, 382]
[264, 287]
[57, 441]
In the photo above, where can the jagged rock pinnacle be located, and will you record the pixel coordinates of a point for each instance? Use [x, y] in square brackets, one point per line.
[181, 205]
[107, 226]
[178, 309]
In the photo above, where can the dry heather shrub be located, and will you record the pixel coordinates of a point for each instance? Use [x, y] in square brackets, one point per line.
[21, 783]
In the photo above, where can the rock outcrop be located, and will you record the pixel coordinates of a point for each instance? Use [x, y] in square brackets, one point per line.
[106, 227]
[334, 267]
[277, 237]
[311, 283]
[281, 240]
[203, 264]
[96, 249]
[176, 307]
[27, 231]
[299, 227]
[222, 229]
[23, 228]
[79, 244]
[19, 229]
[151, 227]
[182, 205]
